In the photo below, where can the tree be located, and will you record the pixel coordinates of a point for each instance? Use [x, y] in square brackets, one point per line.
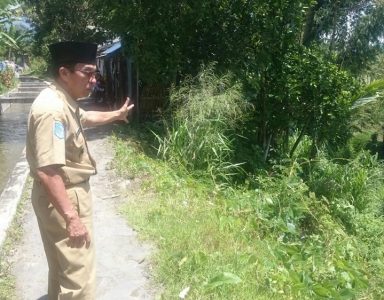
[375, 69]
[55, 20]
[17, 44]
[5, 3]
[15, 38]
[352, 29]
[257, 40]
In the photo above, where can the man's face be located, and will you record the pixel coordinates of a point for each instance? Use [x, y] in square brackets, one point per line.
[81, 80]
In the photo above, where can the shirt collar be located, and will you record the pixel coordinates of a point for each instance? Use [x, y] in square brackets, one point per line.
[72, 104]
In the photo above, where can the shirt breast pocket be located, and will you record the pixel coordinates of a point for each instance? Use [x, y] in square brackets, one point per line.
[75, 149]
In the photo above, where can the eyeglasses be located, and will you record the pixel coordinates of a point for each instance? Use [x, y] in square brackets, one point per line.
[89, 74]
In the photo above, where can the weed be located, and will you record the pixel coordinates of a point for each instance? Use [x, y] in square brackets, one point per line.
[205, 112]
[14, 234]
[305, 230]
[7, 80]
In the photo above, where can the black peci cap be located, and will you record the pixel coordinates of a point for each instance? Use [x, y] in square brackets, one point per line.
[73, 52]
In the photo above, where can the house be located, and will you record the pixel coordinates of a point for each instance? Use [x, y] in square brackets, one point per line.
[121, 77]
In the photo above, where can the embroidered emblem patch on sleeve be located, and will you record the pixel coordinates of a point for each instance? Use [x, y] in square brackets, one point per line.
[58, 130]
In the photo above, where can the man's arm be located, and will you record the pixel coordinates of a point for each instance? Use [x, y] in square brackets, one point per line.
[50, 178]
[95, 118]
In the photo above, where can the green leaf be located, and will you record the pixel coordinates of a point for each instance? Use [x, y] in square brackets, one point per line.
[321, 290]
[346, 294]
[221, 279]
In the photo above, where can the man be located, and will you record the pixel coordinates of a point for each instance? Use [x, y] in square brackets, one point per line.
[61, 165]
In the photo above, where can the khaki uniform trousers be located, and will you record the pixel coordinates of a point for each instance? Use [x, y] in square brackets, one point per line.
[71, 270]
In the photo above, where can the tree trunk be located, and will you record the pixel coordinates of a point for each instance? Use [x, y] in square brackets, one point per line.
[267, 147]
[298, 140]
[310, 28]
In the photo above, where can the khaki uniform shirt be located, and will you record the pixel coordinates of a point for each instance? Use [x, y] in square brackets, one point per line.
[55, 136]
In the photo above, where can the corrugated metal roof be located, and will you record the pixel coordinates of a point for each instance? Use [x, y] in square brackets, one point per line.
[111, 49]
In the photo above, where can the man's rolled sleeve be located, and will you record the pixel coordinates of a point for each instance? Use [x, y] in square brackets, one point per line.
[49, 134]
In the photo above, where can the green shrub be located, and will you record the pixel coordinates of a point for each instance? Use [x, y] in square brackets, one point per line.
[373, 88]
[312, 229]
[369, 117]
[7, 79]
[346, 188]
[205, 113]
[38, 66]
[359, 142]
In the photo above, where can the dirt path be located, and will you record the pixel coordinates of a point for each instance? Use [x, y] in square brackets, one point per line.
[122, 261]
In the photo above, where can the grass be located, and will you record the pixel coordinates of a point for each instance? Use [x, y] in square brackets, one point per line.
[14, 235]
[274, 239]
[297, 229]
[194, 242]
[204, 116]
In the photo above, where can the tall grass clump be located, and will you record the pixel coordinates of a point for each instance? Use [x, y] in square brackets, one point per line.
[205, 112]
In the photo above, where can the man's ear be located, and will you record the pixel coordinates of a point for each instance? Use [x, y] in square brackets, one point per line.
[64, 73]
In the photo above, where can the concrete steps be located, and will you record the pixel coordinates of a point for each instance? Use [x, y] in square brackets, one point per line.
[23, 88]
[25, 94]
[26, 78]
[16, 100]
[31, 83]
[28, 89]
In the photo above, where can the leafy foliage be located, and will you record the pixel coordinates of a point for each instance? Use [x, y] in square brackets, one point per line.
[320, 96]
[38, 66]
[290, 56]
[374, 69]
[57, 21]
[15, 39]
[260, 43]
[205, 113]
[7, 79]
[304, 230]
[374, 88]
[367, 124]
[351, 29]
